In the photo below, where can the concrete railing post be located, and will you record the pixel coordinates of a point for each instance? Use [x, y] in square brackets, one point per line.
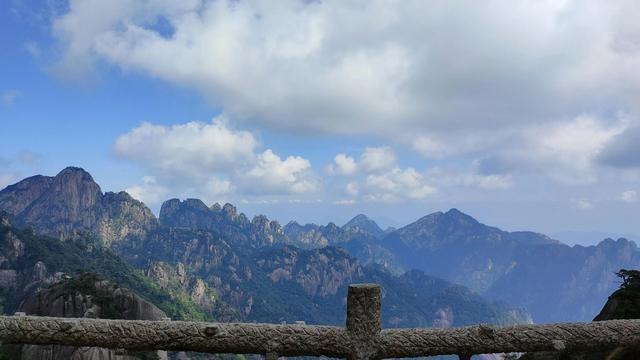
[363, 320]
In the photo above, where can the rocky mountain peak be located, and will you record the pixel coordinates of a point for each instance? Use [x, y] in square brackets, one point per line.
[362, 223]
[451, 218]
[172, 206]
[15, 198]
[261, 222]
[292, 224]
[620, 249]
[196, 204]
[72, 202]
[76, 186]
[188, 213]
[230, 211]
[459, 216]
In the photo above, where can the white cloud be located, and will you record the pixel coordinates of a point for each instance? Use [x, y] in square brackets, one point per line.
[571, 145]
[375, 67]
[397, 184]
[372, 159]
[150, 192]
[431, 148]
[343, 165]
[217, 187]
[583, 204]
[488, 182]
[192, 150]
[629, 196]
[455, 179]
[272, 174]
[211, 160]
[377, 159]
[566, 151]
[352, 188]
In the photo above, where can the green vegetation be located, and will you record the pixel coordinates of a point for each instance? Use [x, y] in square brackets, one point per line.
[84, 255]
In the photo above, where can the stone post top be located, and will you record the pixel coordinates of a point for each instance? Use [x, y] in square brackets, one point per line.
[364, 286]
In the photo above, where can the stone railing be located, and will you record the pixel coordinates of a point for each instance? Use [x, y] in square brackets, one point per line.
[362, 338]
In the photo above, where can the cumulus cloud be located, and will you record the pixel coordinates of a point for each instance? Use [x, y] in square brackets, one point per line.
[275, 175]
[629, 196]
[372, 159]
[211, 159]
[397, 184]
[194, 149]
[376, 67]
[149, 192]
[352, 188]
[376, 177]
[501, 87]
[343, 165]
[564, 151]
[377, 159]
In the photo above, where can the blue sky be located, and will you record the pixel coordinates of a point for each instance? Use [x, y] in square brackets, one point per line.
[523, 115]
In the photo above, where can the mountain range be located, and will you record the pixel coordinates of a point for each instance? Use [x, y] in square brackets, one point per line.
[445, 269]
[214, 262]
[554, 281]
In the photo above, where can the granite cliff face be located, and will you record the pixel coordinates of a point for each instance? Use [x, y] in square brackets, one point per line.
[31, 262]
[71, 203]
[15, 198]
[39, 275]
[86, 296]
[225, 220]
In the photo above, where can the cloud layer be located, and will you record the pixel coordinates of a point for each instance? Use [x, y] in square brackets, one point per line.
[487, 97]
[378, 67]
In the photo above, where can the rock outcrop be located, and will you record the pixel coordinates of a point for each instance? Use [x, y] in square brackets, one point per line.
[86, 296]
[236, 228]
[71, 203]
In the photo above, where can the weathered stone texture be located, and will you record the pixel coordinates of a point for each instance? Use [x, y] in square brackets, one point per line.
[361, 339]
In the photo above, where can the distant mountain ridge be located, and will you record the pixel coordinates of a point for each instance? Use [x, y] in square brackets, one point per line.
[216, 257]
[363, 223]
[554, 281]
[354, 236]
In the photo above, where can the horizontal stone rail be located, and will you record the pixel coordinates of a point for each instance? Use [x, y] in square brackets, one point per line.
[362, 338]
